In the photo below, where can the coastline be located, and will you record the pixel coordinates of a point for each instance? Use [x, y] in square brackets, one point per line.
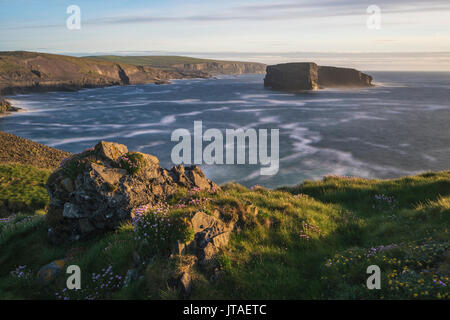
[7, 108]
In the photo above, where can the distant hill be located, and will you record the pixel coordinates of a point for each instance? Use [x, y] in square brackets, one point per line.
[188, 64]
[23, 72]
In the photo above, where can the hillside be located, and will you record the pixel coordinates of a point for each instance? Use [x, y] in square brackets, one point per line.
[188, 64]
[312, 241]
[24, 72]
[14, 149]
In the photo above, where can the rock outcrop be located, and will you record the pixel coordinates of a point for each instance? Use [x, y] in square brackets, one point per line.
[332, 77]
[96, 190]
[6, 106]
[292, 76]
[212, 233]
[310, 76]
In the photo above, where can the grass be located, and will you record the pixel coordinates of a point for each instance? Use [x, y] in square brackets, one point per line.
[157, 61]
[22, 189]
[312, 241]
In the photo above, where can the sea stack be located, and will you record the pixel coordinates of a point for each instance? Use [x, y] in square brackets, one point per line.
[309, 76]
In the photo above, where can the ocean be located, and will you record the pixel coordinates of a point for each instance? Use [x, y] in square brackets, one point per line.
[399, 127]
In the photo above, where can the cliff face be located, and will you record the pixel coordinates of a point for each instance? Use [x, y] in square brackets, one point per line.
[217, 68]
[188, 65]
[292, 76]
[310, 76]
[22, 72]
[343, 77]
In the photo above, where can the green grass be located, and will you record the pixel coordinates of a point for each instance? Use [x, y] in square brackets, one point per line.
[313, 241]
[22, 189]
[156, 61]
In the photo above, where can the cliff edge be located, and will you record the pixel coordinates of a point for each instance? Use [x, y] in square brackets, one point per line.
[25, 72]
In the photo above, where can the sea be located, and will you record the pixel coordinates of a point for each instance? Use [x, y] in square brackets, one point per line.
[399, 127]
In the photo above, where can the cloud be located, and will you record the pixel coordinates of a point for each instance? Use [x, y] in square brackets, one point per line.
[293, 10]
[276, 12]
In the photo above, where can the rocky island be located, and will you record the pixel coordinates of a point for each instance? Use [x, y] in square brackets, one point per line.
[310, 76]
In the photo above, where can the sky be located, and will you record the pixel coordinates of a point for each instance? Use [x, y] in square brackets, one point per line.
[411, 34]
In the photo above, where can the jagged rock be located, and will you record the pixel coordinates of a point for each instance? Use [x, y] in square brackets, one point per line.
[201, 221]
[221, 239]
[96, 190]
[194, 177]
[208, 253]
[211, 234]
[110, 151]
[310, 76]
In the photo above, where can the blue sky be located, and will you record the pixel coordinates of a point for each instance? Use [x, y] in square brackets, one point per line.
[266, 28]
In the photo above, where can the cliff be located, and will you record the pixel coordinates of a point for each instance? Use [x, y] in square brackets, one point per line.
[5, 106]
[330, 77]
[23, 72]
[310, 76]
[188, 65]
[292, 76]
[217, 68]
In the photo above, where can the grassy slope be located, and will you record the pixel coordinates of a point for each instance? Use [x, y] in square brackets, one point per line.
[311, 241]
[14, 149]
[22, 188]
[10, 60]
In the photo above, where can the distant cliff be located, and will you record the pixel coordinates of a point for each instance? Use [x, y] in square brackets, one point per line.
[24, 72]
[189, 65]
[217, 68]
[310, 76]
[330, 77]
